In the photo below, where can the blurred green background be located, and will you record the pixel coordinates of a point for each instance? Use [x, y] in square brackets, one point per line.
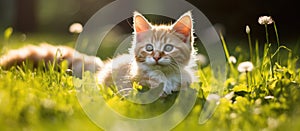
[54, 16]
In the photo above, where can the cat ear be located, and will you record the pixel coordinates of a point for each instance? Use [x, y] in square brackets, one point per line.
[184, 26]
[140, 23]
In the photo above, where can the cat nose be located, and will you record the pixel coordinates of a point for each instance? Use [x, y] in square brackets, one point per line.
[156, 56]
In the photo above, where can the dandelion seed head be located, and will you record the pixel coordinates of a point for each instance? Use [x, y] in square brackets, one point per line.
[265, 20]
[76, 28]
[247, 29]
[246, 66]
[232, 59]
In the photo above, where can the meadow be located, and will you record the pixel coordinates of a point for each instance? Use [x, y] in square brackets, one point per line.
[261, 91]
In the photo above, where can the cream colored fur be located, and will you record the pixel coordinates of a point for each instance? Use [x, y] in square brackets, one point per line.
[173, 69]
[160, 55]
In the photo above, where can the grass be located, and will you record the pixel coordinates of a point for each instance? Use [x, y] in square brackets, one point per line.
[265, 98]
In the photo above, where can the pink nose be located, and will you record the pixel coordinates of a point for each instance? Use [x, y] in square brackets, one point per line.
[156, 58]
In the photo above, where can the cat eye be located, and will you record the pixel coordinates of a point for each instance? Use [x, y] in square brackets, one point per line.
[149, 47]
[168, 48]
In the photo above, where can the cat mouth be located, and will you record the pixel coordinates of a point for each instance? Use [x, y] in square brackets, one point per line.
[156, 64]
[159, 64]
[156, 67]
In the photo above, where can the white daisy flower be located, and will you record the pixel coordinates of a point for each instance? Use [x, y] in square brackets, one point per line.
[213, 97]
[232, 59]
[269, 97]
[76, 28]
[233, 115]
[229, 96]
[246, 66]
[265, 20]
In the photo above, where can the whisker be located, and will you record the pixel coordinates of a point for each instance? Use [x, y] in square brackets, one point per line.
[124, 96]
[125, 89]
[124, 92]
[129, 88]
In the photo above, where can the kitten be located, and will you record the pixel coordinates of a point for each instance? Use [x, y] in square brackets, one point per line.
[160, 54]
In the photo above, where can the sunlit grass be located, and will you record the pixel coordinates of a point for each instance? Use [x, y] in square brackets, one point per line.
[264, 98]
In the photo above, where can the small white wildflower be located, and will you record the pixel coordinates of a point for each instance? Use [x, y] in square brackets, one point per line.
[76, 28]
[69, 71]
[229, 96]
[258, 102]
[257, 111]
[48, 103]
[272, 123]
[232, 59]
[247, 29]
[201, 59]
[245, 66]
[265, 20]
[269, 97]
[233, 115]
[213, 97]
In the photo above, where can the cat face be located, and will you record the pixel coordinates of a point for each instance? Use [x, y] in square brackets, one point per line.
[163, 45]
